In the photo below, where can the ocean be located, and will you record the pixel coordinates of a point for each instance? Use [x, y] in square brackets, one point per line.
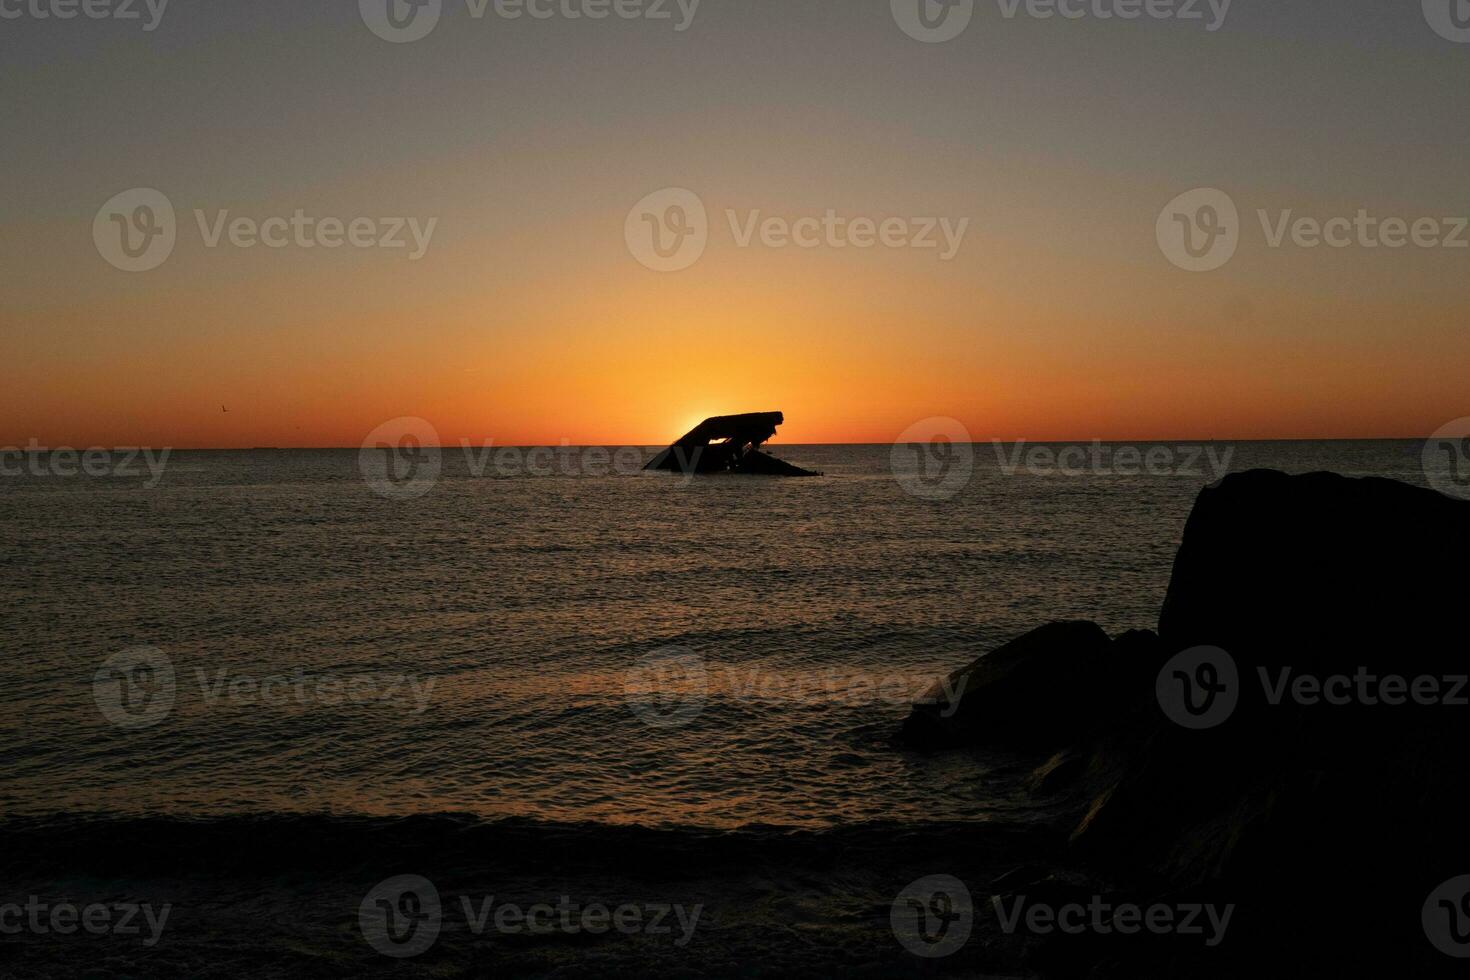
[568, 645]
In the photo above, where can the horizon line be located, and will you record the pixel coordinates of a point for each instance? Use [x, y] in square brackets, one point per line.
[491, 444]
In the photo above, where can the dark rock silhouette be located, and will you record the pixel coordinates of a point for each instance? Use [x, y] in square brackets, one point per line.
[1327, 823]
[1036, 689]
[1304, 569]
[728, 444]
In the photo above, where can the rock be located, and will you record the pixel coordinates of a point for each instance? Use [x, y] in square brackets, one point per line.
[1328, 824]
[1043, 689]
[1056, 773]
[1018, 877]
[1319, 571]
[1028, 691]
[1294, 805]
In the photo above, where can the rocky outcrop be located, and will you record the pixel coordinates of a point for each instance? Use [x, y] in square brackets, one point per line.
[1322, 784]
[1050, 687]
[1321, 570]
[1030, 691]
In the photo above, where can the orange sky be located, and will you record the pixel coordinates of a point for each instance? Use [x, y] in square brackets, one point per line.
[528, 321]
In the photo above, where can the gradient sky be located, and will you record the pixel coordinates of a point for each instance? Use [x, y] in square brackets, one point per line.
[528, 321]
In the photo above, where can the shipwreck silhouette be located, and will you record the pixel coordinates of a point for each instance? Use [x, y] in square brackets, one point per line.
[728, 444]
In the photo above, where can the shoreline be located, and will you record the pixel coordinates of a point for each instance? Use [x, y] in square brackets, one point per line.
[255, 896]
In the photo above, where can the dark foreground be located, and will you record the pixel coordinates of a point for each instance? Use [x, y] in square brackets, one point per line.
[1190, 815]
[281, 896]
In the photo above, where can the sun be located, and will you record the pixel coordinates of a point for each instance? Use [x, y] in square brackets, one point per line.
[690, 422]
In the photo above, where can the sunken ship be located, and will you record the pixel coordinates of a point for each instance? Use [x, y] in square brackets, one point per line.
[728, 444]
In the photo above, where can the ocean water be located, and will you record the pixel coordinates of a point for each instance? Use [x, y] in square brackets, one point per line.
[614, 649]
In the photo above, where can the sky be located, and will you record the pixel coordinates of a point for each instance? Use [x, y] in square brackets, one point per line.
[528, 148]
